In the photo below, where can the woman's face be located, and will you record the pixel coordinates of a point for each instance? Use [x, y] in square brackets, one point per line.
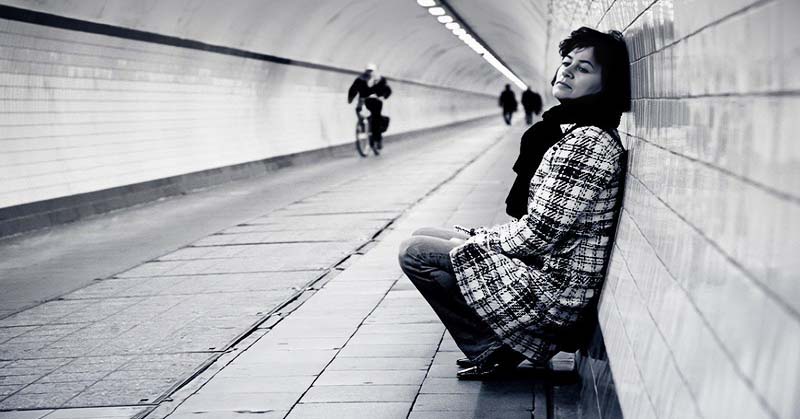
[579, 75]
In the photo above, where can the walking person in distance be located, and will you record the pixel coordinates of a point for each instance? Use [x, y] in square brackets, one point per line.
[531, 104]
[508, 102]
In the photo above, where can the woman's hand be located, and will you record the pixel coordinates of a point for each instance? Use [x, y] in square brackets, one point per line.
[462, 229]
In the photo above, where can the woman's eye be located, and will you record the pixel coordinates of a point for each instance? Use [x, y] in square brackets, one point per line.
[583, 70]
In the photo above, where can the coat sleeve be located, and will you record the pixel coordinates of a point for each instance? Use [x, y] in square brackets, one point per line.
[580, 168]
[351, 94]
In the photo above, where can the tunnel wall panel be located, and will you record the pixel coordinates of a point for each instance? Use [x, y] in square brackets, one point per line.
[700, 310]
[83, 112]
[402, 38]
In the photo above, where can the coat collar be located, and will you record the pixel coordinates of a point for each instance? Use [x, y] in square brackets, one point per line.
[566, 127]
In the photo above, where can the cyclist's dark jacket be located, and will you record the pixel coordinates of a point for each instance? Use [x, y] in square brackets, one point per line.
[381, 89]
[374, 104]
[360, 87]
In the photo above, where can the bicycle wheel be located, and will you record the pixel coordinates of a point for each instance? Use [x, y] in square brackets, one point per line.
[362, 137]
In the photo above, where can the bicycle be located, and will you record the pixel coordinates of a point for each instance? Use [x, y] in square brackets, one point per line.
[364, 135]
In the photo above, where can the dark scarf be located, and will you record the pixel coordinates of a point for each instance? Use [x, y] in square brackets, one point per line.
[587, 111]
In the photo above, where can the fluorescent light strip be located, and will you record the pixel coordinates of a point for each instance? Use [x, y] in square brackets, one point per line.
[470, 41]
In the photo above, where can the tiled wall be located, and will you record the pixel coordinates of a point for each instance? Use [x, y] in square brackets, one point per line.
[701, 310]
[82, 112]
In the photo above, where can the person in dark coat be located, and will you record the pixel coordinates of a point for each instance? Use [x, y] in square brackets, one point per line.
[508, 102]
[361, 87]
[524, 289]
[374, 104]
[370, 89]
[531, 103]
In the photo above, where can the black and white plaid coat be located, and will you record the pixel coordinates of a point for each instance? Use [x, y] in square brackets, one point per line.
[531, 278]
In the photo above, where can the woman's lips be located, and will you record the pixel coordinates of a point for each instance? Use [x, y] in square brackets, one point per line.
[564, 84]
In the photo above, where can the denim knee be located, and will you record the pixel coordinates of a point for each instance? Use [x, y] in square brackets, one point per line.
[423, 231]
[408, 252]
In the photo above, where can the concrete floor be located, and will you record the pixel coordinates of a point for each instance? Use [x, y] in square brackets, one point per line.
[151, 295]
[40, 266]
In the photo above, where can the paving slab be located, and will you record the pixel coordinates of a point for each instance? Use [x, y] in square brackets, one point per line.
[379, 364]
[361, 393]
[25, 414]
[286, 384]
[96, 413]
[251, 403]
[287, 221]
[382, 410]
[368, 377]
[195, 302]
[384, 351]
[279, 364]
[395, 339]
[452, 385]
[359, 235]
[474, 402]
[462, 414]
[234, 414]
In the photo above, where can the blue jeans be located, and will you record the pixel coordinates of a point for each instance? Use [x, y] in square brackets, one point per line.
[425, 259]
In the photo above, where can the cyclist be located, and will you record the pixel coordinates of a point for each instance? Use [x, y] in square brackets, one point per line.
[361, 87]
[370, 88]
[374, 104]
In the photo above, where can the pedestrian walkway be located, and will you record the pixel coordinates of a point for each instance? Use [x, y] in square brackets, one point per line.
[300, 312]
[367, 344]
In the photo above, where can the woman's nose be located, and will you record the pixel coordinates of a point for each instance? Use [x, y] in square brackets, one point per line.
[567, 72]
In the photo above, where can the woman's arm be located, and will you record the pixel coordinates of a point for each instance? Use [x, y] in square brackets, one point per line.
[580, 168]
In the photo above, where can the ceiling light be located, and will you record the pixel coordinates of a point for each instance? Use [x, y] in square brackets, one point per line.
[469, 40]
[478, 48]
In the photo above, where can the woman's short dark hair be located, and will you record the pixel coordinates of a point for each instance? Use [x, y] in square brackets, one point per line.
[612, 55]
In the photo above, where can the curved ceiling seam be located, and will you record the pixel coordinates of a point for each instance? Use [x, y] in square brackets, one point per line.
[469, 28]
[447, 52]
[80, 25]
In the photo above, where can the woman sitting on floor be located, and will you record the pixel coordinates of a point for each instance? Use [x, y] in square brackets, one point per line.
[519, 290]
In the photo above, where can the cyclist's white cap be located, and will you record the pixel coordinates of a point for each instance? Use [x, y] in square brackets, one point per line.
[371, 67]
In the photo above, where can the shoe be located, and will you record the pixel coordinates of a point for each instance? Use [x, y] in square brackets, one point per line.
[464, 362]
[485, 371]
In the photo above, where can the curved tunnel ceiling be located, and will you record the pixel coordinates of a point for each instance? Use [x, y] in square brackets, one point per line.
[400, 36]
[515, 30]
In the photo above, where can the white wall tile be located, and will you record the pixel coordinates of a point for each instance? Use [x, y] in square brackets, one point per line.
[84, 112]
[708, 239]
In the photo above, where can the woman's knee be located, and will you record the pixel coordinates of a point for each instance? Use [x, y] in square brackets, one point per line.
[409, 250]
[425, 231]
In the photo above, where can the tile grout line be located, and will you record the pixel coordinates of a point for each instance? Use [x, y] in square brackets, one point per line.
[712, 331]
[447, 180]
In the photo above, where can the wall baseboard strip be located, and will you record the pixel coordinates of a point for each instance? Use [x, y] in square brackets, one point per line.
[32, 216]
